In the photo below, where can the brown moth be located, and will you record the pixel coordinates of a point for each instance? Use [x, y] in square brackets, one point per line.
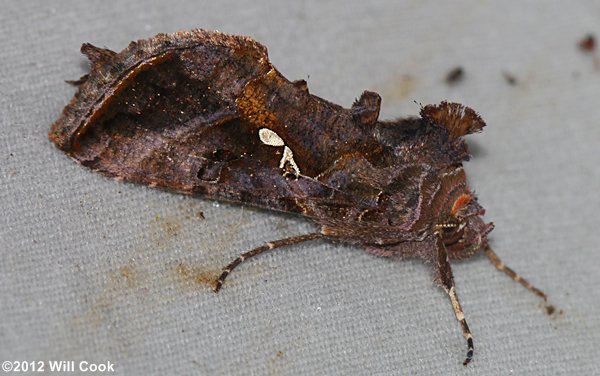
[205, 113]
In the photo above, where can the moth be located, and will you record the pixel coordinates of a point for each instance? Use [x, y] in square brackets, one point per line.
[205, 113]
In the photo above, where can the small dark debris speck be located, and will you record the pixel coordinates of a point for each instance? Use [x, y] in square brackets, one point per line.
[588, 43]
[510, 79]
[455, 75]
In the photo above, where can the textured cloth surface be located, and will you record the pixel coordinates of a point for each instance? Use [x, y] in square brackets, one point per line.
[96, 270]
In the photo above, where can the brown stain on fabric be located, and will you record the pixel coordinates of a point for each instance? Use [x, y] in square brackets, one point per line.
[133, 284]
[120, 284]
[163, 230]
[276, 363]
[128, 275]
[170, 228]
[113, 307]
[98, 313]
[197, 275]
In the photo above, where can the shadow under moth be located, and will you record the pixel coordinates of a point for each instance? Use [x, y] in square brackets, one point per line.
[205, 113]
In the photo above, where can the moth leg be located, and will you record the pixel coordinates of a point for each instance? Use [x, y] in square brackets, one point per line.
[512, 274]
[444, 277]
[263, 248]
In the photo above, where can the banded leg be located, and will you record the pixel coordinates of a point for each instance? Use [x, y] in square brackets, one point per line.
[444, 277]
[511, 273]
[263, 248]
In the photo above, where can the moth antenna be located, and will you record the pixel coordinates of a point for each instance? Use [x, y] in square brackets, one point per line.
[444, 278]
[512, 274]
[263, 248]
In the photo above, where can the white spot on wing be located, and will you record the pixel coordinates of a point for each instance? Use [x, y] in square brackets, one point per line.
[268, 137]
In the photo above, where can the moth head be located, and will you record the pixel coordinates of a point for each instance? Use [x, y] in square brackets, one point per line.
[463, 230]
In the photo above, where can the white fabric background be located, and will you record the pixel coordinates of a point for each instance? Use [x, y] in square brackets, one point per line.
[97, 270]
